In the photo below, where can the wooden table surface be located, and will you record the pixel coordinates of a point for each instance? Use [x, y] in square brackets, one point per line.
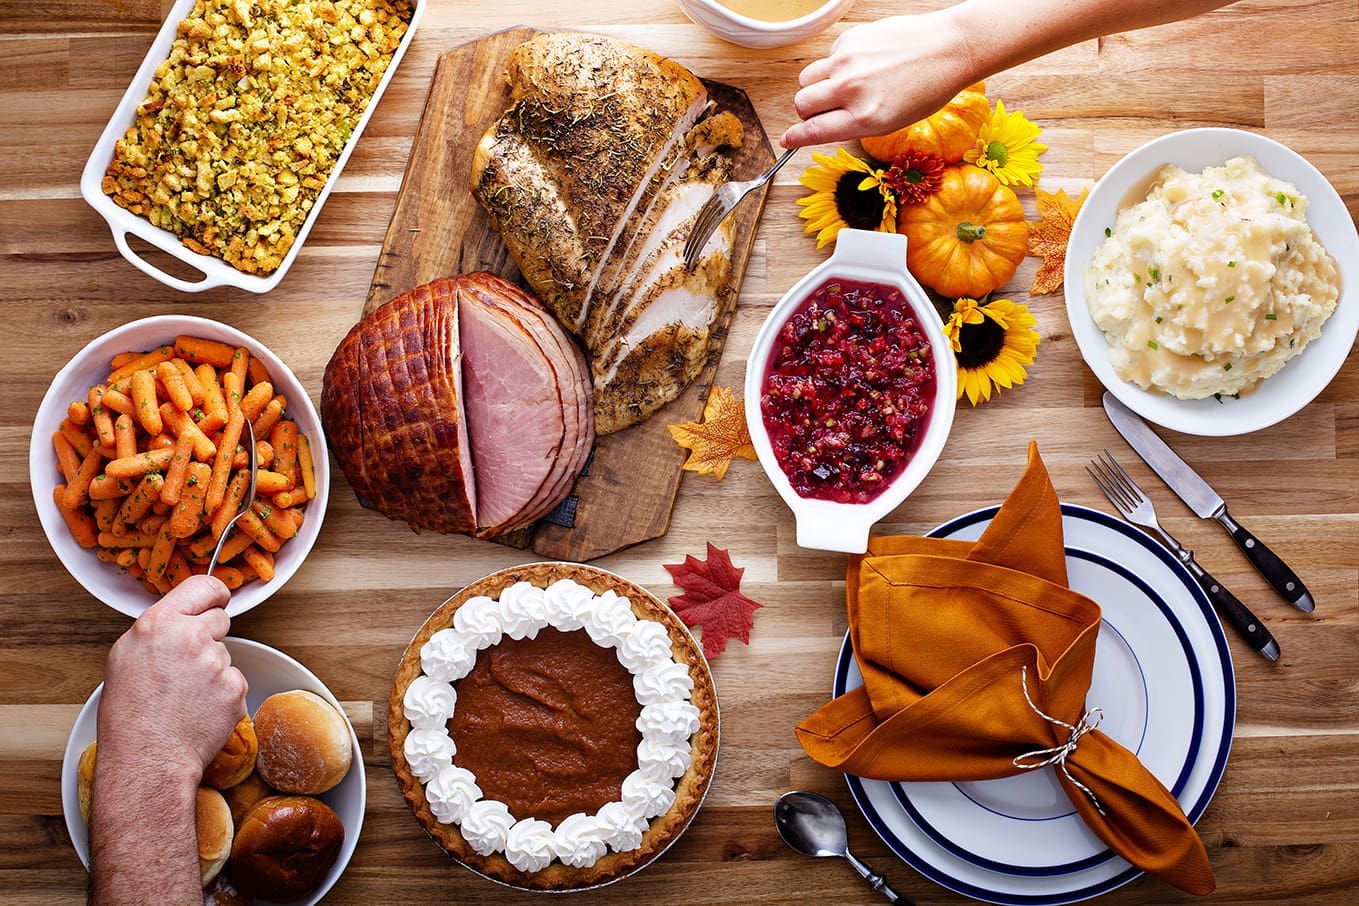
[1284, 824]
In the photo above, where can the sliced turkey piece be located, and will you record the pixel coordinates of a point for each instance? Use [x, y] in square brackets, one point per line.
[391, 406]
[560, 173]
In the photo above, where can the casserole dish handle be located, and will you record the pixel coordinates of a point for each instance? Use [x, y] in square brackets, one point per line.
[155, 273]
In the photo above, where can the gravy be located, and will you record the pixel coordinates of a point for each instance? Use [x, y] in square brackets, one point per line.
[773, 10]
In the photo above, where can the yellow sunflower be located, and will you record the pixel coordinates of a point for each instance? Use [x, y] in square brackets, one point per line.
[993, 342]
[846, 192]
[1007, 146]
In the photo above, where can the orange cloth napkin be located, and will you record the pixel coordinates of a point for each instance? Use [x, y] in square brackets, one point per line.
[948, 634]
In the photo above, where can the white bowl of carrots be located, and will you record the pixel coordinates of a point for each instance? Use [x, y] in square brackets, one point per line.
[138, 460]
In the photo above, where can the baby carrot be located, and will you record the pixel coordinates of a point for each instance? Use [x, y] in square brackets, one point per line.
[78, 413]
[80, 522]
[77, 436]
[78, 488]
[104, 513]
[124, 436]
[140, 464]
[99, 416]
[117, 401]
[249, 524]
[180, 423]
[260, 561]
[270, 416]
[173, 382]
[269, 482]
[127, 539]
[126, 558]
[284, 439]
[67, 458]
[160, 442]
[240, 363]
[276, 519]
[231, 576]
[107, 487]
[231, 502]
[214, 404]
[256, 371]
[264, 453]
[233, 546]
[138, 503]
[160, 553]
[221, 466]
[191, 381]
[210, 352]
[188, 513]
[232, 390]
[253, 403]
[142, 362]
[178, 570]
[304, 465]
[145, 401]
[178, 471]
[121, 359]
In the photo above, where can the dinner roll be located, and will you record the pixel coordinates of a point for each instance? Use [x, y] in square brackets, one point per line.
[84, 777]
[243, 796]
[303, 742]
[213, 820]
[221, 892]
[237, 758]
[285, 848]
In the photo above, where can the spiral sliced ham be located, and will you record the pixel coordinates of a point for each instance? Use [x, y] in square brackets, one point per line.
[460, 406]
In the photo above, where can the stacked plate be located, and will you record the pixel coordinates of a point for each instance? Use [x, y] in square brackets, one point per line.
[1163, 678]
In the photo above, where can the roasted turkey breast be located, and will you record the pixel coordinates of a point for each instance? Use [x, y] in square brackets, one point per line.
[593, 178]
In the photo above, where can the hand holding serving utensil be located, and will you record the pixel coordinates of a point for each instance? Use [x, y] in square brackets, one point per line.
[1137, 508]
[813, 825]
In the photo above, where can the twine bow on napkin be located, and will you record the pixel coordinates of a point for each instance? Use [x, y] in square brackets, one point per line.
[976, 659]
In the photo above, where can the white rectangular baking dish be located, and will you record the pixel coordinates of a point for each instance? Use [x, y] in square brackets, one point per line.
[215, 271]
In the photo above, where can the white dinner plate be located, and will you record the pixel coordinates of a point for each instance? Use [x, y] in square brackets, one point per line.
[1163, 677]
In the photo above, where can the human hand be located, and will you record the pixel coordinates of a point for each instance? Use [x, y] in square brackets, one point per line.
[879, 77]
[171, 695]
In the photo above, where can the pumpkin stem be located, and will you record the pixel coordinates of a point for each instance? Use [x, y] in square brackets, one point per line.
[970, 232]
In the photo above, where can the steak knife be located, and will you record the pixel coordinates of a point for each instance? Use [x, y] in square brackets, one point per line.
[1204, 501]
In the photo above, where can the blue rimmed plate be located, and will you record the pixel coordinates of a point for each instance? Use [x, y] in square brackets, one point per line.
[1163, 677]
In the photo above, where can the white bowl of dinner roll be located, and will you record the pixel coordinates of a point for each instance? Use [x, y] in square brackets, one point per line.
[268, 672]
[107, 581]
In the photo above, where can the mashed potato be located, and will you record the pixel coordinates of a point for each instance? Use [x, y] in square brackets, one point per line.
[1212, 283]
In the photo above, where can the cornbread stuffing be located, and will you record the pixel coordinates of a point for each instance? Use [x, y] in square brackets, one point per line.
[243, 123]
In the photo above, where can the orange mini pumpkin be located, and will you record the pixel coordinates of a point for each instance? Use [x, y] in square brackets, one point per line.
[947, 134]
[967, 239]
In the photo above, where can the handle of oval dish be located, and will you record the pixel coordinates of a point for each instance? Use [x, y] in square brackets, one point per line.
[882, 251]
[818, 531]
[155, 273]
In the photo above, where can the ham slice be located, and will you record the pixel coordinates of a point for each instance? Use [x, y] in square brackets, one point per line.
[461, 406]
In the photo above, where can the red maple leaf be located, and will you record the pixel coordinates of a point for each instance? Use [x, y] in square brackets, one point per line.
[712, 599]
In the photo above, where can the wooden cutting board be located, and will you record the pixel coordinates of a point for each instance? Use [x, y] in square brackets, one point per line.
[628, 488]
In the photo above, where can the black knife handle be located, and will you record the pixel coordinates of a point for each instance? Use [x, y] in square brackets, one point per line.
[1247, 624]
[1275, 571]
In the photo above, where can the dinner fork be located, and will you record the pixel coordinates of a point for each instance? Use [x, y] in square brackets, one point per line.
[1135, 507]
[722, 203]
[246, 503]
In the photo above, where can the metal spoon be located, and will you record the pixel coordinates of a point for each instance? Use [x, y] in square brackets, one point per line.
[813, 825]
[246, 504]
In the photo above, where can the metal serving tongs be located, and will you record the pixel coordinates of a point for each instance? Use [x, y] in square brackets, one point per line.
[246, 504]
[719, 205]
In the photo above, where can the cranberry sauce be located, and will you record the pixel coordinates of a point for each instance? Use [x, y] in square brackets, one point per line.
[847, 393]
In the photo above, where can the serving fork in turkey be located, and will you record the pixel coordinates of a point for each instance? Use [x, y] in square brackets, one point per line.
[719, 205]
[1135, 507]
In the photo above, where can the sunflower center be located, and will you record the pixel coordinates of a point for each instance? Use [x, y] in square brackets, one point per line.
[981, 343]
[996, 152]
[861, 210]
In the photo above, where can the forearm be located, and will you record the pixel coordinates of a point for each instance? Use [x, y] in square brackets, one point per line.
[143, 840]
[1000, 34]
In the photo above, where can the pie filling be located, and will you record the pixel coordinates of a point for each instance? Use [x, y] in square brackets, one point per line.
[550, 724]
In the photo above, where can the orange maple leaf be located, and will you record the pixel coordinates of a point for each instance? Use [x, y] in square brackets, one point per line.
[720, 437]
[1049, 236]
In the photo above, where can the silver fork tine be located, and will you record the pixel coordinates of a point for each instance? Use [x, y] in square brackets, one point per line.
[722, 203]
[1129, 486]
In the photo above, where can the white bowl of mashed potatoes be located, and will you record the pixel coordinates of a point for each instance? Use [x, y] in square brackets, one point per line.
[1206, 281]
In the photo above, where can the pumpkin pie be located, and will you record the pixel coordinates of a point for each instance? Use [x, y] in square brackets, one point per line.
[553, 726]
